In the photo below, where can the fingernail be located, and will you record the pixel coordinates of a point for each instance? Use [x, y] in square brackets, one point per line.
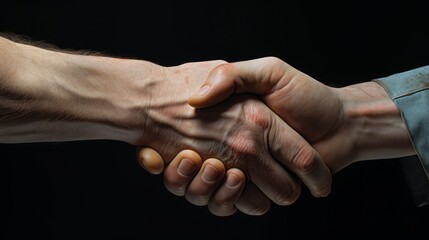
[232, 180]
[210, 173]
[186, 167]
[203, 90]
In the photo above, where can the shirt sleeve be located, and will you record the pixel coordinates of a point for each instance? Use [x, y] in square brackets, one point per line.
[410, 92]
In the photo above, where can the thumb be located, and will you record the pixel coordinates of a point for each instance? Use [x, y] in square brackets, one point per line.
[257, 76]
[150, 160]
[219, 85]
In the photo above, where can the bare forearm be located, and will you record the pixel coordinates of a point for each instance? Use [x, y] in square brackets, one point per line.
[55, 96]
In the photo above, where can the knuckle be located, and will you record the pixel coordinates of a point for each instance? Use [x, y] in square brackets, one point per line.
[273, 60]
[305, 160]
[223, 69]
[257, 116]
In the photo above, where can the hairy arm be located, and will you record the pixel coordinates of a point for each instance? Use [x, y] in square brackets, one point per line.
[48, 95]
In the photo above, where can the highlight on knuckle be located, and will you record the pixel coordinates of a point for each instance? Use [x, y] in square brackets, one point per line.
[271, 60]
[223, 69]
[305, 160]
[257, 116]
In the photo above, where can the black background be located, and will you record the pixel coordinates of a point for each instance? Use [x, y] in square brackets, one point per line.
[96, 190]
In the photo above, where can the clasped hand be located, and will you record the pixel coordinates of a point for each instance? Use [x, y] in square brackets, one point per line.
[269, 140]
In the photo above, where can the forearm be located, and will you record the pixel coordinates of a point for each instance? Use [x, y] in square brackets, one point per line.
[377, 128]
[54, 96]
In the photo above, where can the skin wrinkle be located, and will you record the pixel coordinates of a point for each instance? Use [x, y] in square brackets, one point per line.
[284, 77]
[274, 75]
[304, 161]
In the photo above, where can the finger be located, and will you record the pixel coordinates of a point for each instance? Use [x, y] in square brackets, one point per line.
[181, 171]
[297, 155]
[257, 76]
[252, 201]
[206, 182]
[223, 201]
[150, 160]
[274, 179]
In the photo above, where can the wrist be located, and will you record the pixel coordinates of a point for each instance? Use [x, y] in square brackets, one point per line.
[378, 130]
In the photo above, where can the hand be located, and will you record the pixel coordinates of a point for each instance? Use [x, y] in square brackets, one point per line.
[345, 125]
[243, 132]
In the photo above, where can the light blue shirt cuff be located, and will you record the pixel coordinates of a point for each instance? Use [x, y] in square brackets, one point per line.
[410, 92]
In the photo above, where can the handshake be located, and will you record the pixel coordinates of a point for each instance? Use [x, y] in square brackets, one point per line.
[275, 126]
[232, 136]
